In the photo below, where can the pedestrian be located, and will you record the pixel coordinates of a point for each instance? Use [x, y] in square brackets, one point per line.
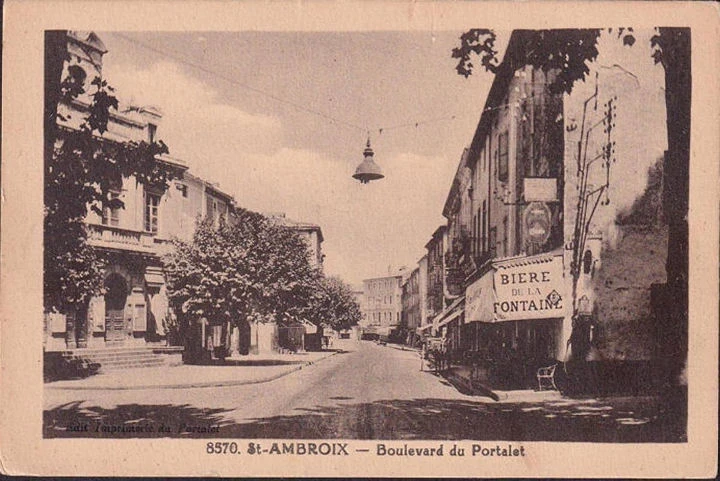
[422, 357]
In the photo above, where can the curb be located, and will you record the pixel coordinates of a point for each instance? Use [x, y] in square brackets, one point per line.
[190, 385]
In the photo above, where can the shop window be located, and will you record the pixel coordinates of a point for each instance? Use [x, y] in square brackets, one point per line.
[503, 157]
[152, 206]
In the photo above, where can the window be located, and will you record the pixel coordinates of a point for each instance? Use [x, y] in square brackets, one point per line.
[587, 262]
[489, 154]
[152, 130]
[506, 234]
[152, 204]
[484, 228]
[503, 157]
[209, 207]
[473, 250]
[493, 242]
[182, 188]
[111, 215]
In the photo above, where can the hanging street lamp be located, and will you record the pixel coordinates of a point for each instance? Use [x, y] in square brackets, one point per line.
[368, 170]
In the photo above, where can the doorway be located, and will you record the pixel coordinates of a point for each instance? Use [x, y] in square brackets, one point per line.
[115, 300]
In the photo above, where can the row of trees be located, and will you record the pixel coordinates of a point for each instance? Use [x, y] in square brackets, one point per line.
[253, 269]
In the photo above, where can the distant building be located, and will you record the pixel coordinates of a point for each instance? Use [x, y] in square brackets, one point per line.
[422, 292]
[436, 287]
[411, 306]
[383, 303]
[311, 233]
[359, 297]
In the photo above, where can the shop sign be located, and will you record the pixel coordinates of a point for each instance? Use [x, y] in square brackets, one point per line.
[537, 222]
[540, 189]
[531, 291]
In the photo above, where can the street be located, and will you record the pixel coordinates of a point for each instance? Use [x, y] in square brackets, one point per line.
[365, 391]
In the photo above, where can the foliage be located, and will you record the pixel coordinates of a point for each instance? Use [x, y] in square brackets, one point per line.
[251, 269]
[254, 270]
[647, 209]
[80, 167]
[334, 304]
[73, 270]
[563, 51]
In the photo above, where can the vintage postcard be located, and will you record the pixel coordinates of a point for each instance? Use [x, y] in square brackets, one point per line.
[378, 239]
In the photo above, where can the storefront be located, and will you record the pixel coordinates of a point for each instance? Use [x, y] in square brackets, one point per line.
[513, 319]
[449, 325]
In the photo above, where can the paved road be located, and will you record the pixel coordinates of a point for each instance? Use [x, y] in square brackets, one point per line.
[367, 392]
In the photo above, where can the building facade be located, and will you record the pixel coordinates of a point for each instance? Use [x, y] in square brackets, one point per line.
[134, 310]
[310, 233]
[422, 293]
[436, 279]
[383, 303]
[504, 253]
[411, 302]
[527, 280]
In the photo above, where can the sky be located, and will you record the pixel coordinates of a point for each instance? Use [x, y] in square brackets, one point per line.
[236, 109]
[280, 121]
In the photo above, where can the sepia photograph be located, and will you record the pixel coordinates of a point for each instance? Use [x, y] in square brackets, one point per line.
[267, 238]
[461, 235]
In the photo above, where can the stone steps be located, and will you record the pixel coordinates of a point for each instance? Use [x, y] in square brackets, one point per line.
[118, 358]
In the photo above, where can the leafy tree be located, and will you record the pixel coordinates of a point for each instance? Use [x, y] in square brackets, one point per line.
[251, 269]
[567, 52]
[80, 166]
[334, 304]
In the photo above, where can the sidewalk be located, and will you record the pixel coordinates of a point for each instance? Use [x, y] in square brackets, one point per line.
[460, 378]
[402, 347]
[235, 372]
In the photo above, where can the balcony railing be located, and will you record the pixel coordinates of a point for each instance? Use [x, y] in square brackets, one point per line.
[118, 238]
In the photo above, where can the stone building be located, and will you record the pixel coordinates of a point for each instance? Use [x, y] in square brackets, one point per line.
[134, 310]
[134, 306]
[512, 239]
[410, 317]
[383, 304]
[311, 234]
[509, 213]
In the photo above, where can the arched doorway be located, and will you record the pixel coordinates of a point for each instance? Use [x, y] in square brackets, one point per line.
[115, 300]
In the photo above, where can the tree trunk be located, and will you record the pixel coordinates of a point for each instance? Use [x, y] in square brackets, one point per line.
[675, 44]
[81, 326]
